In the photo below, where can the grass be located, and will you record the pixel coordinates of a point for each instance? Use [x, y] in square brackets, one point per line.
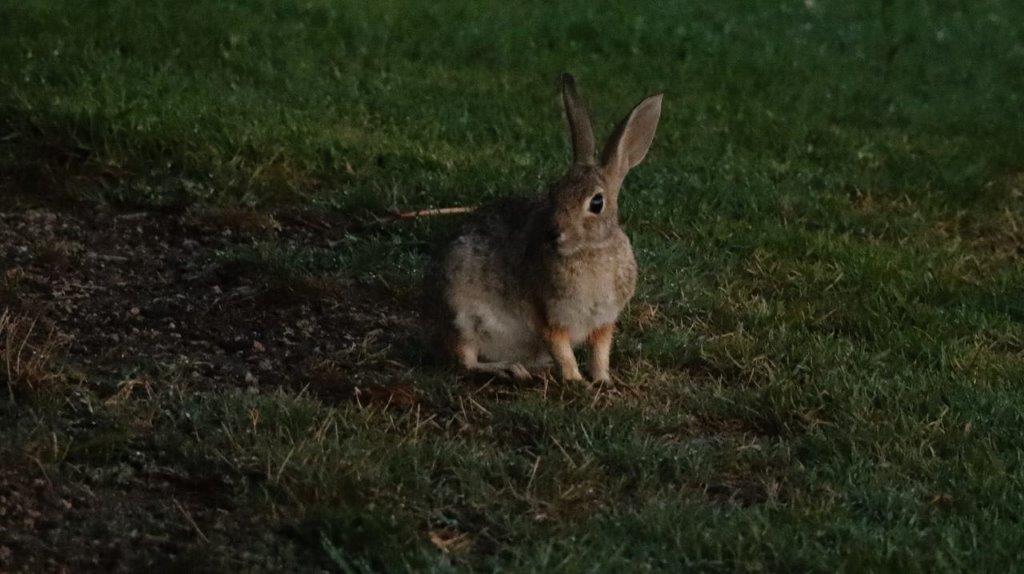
[821, 370]
[27, 355]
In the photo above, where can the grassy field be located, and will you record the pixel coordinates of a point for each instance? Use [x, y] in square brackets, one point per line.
[207, 336]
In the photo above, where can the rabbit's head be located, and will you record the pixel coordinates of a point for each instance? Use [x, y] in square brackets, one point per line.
[584, 204]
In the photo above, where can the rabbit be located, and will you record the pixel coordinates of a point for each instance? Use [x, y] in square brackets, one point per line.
[527, 280]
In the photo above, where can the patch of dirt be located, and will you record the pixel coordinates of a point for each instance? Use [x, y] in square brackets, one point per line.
[742, 491]
[136, 296]
[148, 291]
[137, 522]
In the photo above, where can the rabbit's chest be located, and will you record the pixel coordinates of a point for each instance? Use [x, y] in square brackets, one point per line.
[593, 296]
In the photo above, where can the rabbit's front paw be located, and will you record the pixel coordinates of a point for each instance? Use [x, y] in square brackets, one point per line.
[572, 375]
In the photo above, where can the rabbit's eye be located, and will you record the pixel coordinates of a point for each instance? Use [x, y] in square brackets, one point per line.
[597, 203]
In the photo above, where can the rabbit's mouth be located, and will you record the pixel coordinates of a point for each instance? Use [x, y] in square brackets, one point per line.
[560, 239]
[565, 237]
[565, 242]
[568, 246]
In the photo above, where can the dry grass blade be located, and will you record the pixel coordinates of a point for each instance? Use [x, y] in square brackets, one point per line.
[432, 212]
[28, 357]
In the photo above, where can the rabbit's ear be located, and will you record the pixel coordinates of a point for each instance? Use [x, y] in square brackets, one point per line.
[632, 138]
[580, 130]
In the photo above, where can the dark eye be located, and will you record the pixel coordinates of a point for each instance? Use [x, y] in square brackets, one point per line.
[597, 203]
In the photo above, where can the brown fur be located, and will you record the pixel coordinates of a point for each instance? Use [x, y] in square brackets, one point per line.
[600, 334]
[526, 280]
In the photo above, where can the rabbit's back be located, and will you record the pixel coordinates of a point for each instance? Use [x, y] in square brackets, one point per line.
[480, 284]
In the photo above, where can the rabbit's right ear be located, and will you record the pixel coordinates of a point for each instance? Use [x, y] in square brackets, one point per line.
[632, 138]
[580, 130]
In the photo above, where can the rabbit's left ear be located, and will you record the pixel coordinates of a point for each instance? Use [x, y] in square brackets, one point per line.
[580, 130]
[632, 138]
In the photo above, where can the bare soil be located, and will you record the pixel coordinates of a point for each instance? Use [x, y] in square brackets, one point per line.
[138, 289]
[150, 296]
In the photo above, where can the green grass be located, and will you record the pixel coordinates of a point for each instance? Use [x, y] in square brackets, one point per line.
[822, 368]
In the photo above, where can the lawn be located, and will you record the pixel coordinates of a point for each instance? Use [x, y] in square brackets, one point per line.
[208, 356]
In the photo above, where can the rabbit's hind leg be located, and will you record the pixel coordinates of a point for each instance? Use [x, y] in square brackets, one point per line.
[468, 355]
